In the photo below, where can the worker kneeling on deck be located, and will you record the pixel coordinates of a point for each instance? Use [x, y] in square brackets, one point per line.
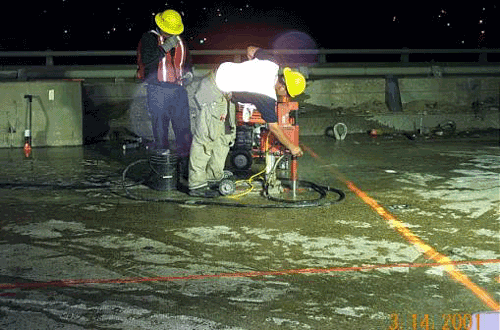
[255, 81]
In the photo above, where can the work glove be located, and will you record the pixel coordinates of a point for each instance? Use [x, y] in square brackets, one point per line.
[169, 43]
[187, 78]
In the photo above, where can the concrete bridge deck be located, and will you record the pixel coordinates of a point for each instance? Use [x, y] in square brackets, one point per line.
[414, 242]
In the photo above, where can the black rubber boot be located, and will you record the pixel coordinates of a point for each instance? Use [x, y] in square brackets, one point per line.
[183, 168]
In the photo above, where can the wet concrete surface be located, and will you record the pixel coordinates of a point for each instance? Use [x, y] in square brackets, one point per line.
[76, 253]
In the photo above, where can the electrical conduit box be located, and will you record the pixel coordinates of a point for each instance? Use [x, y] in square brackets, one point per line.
[56, 113]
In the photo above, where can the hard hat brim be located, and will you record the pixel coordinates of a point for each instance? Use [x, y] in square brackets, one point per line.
[168, 29]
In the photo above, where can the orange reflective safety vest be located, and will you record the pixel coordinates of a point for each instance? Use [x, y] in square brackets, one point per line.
[170, 67]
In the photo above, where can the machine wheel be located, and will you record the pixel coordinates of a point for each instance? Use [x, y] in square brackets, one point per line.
[227, 187]
[241, 159]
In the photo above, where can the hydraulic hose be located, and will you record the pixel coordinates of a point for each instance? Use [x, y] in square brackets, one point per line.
[52, 186]
[322, 191]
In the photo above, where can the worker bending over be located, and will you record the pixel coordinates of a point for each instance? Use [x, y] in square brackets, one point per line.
[255, 81]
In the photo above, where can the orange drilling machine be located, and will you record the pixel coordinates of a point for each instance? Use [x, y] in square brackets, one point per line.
[253, 140]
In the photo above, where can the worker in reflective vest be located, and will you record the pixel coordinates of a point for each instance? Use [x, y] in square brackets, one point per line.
[161, 57]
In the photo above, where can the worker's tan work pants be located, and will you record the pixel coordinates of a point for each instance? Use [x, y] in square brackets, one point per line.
[212, 135]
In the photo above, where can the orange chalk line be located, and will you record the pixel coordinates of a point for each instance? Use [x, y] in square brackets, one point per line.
[64, 283]
[428, 251]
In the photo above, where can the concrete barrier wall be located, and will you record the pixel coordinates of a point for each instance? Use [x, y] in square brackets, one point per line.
[360, 103]
[86, 112]
[108, 104]
[472, 102]
[432, 95]
[56, 113]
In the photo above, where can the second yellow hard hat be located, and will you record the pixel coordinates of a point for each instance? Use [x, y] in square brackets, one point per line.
[295, 82]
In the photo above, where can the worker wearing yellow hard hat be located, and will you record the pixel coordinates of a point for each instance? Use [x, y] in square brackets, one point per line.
[161, 61]
[257, 82]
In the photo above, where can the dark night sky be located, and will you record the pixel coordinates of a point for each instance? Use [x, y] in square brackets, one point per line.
[118, 25]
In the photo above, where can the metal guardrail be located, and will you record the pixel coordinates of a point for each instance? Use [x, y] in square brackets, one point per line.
[325, 63]
[238, 54]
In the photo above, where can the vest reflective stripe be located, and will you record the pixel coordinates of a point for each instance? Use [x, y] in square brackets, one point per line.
[170, 70]
[182, 57]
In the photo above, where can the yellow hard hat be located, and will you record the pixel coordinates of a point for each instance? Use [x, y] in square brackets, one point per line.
[295, 82]
[170, 22]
